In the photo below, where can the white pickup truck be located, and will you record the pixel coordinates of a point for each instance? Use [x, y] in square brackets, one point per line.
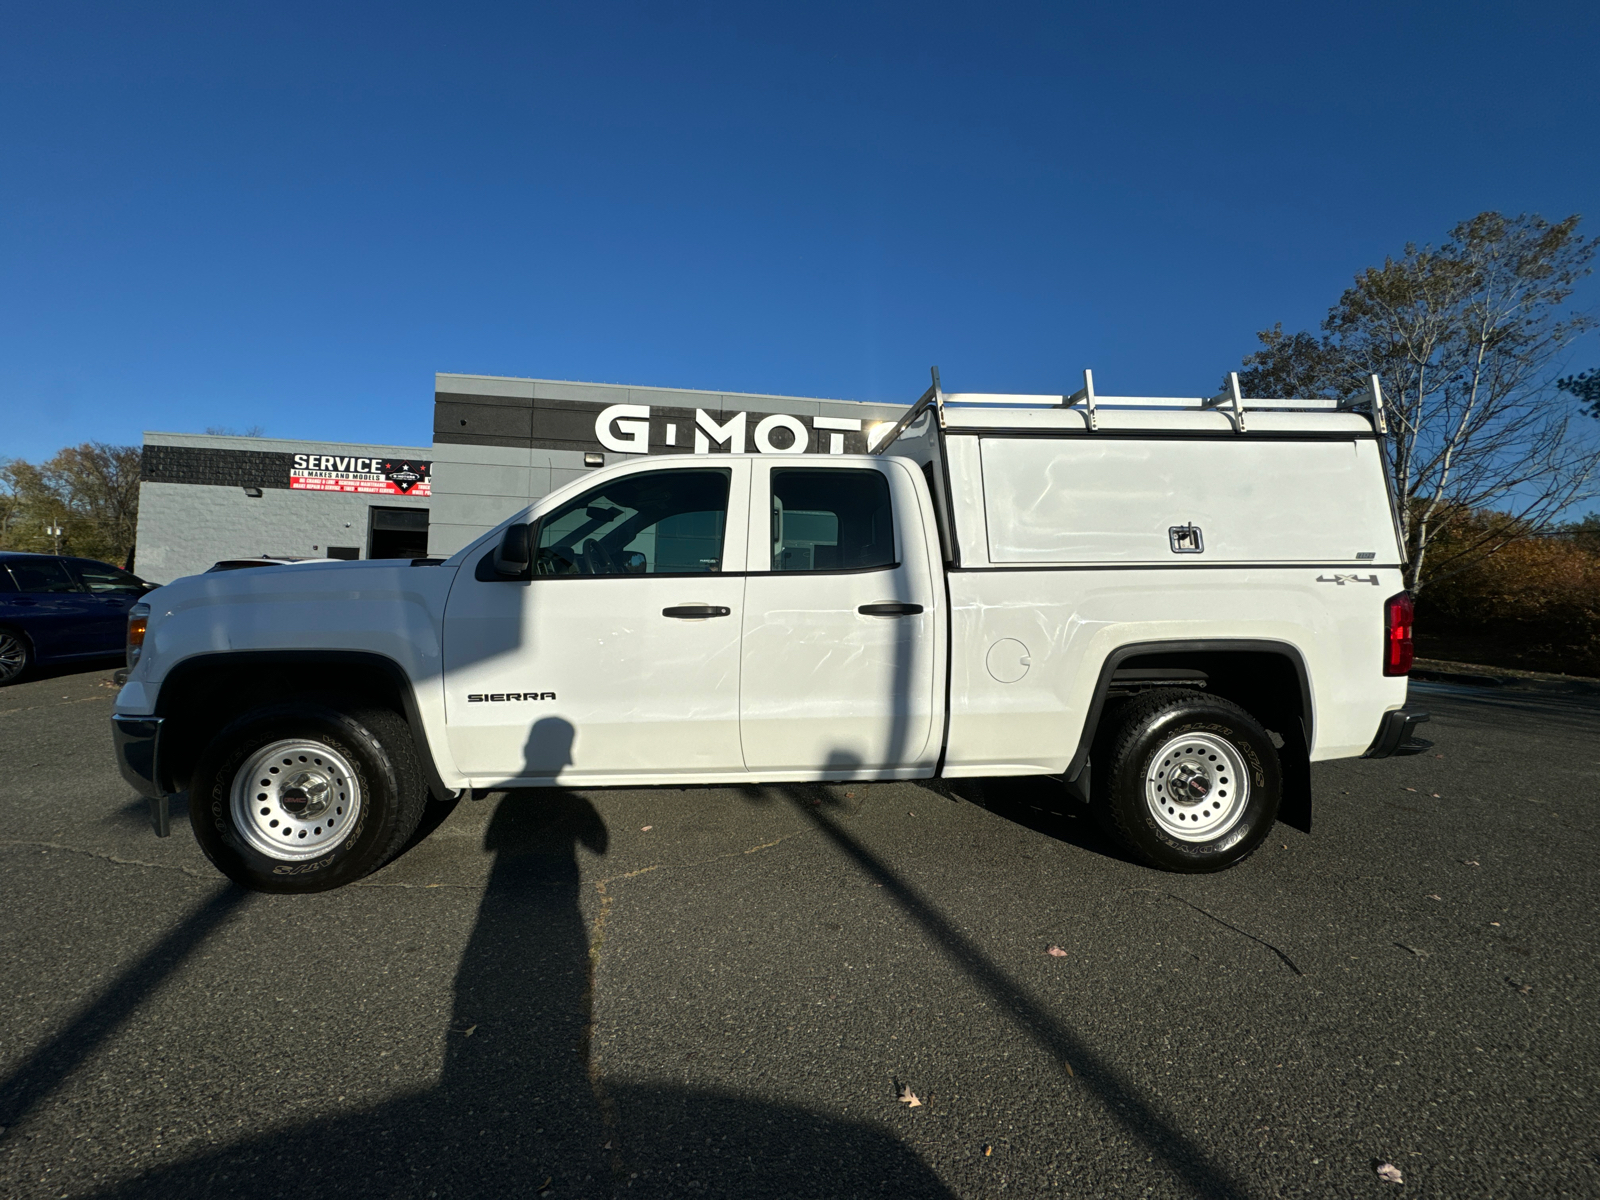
[1199, 597]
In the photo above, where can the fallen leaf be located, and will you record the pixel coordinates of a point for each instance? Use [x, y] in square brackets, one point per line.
[1438, 756]
[1436, 796]
[909, 813]
[1434, 896]
[1410, 789]
[1070, 1071]
[1469, 862]
[987, 1151]
[646, 828]
[849, 795]
[1056, 952]
[907, 1096]
[1390, 1173]
[1496, 924]
[467, 1032]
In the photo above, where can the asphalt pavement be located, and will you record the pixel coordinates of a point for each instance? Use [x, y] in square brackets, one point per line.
[725, 991]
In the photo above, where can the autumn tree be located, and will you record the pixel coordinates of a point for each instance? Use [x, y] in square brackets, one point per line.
[1466, 338]
[91, 491]
[1586, 387]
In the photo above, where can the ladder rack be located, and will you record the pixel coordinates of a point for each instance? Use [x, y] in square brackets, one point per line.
[1231, 402]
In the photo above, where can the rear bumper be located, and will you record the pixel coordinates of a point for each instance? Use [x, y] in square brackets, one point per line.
[137, 741]
[1396, 735]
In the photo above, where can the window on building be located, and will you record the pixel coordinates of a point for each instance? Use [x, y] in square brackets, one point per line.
[397, 533]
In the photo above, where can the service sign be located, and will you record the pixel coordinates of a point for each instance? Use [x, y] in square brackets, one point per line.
[372, 475]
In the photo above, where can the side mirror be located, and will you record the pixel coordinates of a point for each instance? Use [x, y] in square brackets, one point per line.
[513, 554]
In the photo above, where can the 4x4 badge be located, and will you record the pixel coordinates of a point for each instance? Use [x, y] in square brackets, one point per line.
[1341, 580]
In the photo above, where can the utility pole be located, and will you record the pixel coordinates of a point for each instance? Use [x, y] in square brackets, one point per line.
[55, 531]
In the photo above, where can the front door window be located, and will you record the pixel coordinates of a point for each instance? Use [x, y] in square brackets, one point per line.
[659, 523]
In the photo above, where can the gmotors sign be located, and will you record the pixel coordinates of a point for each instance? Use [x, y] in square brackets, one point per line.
[643, 429]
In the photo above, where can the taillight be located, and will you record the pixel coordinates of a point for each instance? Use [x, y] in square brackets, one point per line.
[138, 618]
[1397, 649]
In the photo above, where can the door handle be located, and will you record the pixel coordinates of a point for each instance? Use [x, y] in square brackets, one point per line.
[891, 608]
[691, 612]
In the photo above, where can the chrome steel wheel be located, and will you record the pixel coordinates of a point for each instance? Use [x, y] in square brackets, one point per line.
[13, 656]
[296, 799]
[1197, 786]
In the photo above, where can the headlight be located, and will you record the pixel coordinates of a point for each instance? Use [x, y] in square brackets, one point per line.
[138, 618]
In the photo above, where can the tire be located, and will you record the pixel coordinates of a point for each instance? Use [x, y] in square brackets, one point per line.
[345, 790]
[1192, 782]
[16, 656]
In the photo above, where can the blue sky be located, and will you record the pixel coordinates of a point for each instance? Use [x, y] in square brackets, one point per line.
[291, 215]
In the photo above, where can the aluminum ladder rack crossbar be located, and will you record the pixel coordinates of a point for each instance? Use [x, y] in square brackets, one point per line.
[990, 410]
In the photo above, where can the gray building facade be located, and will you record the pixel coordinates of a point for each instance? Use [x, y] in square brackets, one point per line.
[204, 498]
[498, 445]
[501, 443]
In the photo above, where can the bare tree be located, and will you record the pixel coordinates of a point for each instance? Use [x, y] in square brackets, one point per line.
[1466, 339]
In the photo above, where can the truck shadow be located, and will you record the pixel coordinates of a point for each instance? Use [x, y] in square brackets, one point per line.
[1037, 803]
[520, 1108]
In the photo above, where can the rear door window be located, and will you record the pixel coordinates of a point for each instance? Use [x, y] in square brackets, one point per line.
[831, 519]
[103, 579]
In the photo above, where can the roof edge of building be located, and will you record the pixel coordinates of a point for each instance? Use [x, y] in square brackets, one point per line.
[516, 383]
[215, 441]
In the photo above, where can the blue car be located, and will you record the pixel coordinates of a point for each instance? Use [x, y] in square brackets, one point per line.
[61, 609]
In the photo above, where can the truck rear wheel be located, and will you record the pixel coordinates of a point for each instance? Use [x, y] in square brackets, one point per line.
[303, 798]
[1191, 782]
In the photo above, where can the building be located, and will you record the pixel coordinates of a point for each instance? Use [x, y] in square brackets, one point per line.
[498, 445]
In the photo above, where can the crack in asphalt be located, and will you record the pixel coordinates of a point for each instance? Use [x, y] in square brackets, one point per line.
[6, 712]
[111, 858]
[1287, 961]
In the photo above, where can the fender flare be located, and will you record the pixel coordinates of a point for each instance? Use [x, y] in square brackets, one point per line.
[1108, 668]
[245, 659]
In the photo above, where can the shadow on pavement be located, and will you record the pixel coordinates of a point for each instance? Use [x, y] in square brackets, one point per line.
[47, 1067]
[517, 1109]
[1124, 1104]
[1035, 802]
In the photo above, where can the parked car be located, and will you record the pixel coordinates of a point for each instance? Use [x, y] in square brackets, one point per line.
[57, 609]
[1204, 599]
[239, 564]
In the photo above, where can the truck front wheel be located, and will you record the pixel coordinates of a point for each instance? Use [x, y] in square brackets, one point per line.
[302, 798]
[1191, 782]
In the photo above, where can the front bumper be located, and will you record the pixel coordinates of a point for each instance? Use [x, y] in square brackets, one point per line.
[1397, 735]
[138, 746]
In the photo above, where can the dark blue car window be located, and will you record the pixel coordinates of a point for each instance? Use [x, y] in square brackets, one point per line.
[41, 575]
[103, 579]
[5, 581]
